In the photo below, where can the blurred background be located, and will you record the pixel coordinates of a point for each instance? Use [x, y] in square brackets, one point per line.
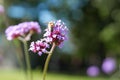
[93, 47]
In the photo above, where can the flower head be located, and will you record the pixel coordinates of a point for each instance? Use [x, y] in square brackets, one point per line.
[109, 65]
[2, 9]
[93, 71]
[39, 47]
[56, 32]
[22, 30]
[29, 26]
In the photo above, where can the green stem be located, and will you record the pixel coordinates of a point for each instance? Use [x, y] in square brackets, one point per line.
[47, 61]
[19, 55]
[20, 58]
[27, 59]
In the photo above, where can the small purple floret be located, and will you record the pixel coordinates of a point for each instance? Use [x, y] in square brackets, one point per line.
[109, 65]
[2, 10]
[39, 47]
[93, 71]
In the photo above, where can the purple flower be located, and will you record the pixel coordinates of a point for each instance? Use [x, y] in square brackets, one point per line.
[12, 32]
[56, 32]
[39, 47]
[22, 30]
[93, 71]
[109, 65]
[1, 9]
[29, 26]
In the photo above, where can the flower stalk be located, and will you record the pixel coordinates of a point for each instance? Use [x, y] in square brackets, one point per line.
[23, 32]
[47, 61]
[27, 59]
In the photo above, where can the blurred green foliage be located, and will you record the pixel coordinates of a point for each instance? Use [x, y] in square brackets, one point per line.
[13, 75]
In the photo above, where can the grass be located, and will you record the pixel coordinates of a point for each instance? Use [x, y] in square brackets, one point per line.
[19, 75]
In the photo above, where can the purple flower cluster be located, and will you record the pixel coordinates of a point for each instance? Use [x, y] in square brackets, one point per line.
[109, 65]
[22, 30]
[56, 32]
[1, 9]
[93, 71]
[39, 47]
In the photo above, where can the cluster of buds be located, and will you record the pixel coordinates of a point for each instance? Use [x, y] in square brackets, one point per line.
[39, 47]
[22, 31]
[55, 33]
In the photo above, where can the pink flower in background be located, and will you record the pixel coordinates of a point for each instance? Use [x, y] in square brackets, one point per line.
[22, 30]
[29, 26]
[2, 9]
[56, 32]
[93, 71]
[109, 65]
[12, 32]
[39, 47]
